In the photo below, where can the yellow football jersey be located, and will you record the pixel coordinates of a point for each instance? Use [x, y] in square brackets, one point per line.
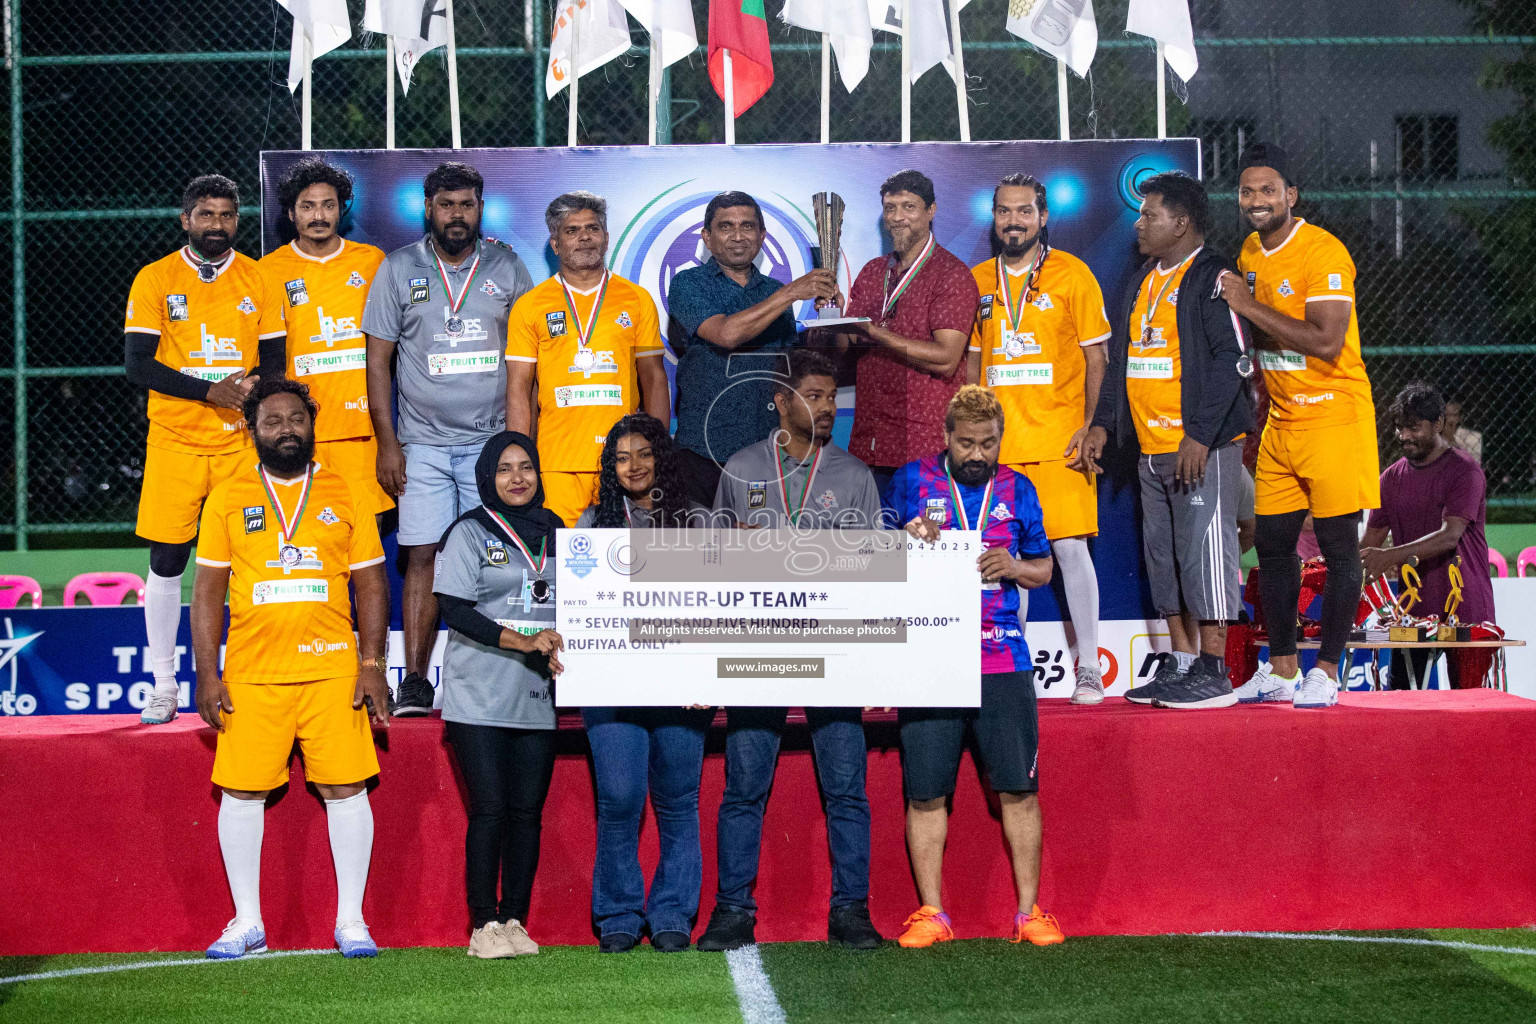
[1037, 371]
[1309, 266]
[290, 620]
[323, 300]
[206, 330]
[1153, 369]
[581, 396]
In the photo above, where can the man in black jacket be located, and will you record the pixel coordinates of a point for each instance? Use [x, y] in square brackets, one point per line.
[1177, 382]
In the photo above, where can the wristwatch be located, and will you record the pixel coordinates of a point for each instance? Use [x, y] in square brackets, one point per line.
[378, 663]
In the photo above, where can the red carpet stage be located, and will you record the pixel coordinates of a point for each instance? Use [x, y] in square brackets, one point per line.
[1395, 810]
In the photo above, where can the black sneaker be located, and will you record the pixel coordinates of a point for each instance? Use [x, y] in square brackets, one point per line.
[617, 942]
[849, 926]
[1203, 686]
[413, 697]
[1167, 673]
[729, 928]
[670, 942]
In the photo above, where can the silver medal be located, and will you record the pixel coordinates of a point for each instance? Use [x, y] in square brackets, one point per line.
[585, 358]
[454, 325]
[207, 273]
[289, 555]
[1013, 345]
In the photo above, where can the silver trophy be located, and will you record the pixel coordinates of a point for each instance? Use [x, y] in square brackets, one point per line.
[828, 207]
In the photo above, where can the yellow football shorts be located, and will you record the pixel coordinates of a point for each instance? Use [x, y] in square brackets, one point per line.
[174, 486]
[257, 742]
[355, 460]
[567, 495]
[1069, 499]
[1333, 471]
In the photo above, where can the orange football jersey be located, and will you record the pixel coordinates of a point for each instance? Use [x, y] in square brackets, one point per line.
[1154, 369]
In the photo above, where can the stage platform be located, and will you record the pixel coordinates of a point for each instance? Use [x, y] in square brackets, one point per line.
[1394, 810]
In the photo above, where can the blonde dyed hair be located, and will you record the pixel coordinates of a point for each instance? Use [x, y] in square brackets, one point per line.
[973, 404]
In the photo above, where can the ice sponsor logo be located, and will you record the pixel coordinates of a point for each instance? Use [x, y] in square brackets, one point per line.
[420, 290]
[175, 307]
[255, 518]
[298, 292]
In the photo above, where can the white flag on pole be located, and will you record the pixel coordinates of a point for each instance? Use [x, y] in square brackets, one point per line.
[1065, 29]
[1168, 22]
[416, 26]
[604, 35]
[847, 23]
[671, 20]
[328, 27]
[885, 15]
[930, 40]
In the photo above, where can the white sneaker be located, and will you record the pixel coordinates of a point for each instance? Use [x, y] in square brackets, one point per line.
[1090, 686]
[1265, 687]
[1316, 691]
[241, 936]
[517, 937]
[489, 943]
[353, 940]
[161, 707]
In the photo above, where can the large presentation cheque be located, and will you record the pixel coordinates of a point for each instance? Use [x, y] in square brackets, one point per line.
[821, 618]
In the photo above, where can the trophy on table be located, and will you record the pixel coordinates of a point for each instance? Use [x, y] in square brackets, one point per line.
[828, 207]
[1451, 630]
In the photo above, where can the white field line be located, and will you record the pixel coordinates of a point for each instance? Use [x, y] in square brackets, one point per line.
[759, 1004]
[76, 972]
[1385, 940]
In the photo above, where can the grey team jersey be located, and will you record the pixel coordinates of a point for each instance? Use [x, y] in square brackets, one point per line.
[842, 494]
[452, 390]
[487, 685]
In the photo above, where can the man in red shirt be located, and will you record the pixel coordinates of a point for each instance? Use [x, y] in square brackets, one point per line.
[921, 301]
[1433, 506]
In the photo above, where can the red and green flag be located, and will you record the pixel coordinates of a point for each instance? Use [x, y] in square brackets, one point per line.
[740, 26]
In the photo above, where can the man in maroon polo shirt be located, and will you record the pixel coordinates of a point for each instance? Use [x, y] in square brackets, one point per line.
[1433, 506]
[921, 301]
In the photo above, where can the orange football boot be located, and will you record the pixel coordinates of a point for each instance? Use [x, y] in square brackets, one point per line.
[1038, 927]
[924, 928]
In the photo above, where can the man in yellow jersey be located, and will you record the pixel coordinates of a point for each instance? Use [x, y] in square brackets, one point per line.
[1319, 448]
[1038, 344]
[1178, 385]
[284, 536]
[322, 279]
[583, 350]
[198, 322]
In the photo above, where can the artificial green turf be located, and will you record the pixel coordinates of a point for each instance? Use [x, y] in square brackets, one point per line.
[1152, 979]
[560, 985]
[1143, 980]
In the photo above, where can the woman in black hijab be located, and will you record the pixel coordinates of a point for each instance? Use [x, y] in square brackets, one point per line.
[495, 584]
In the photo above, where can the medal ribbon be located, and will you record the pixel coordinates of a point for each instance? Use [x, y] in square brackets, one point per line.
[584, 331]
[217, 265]
[1015, 314]
[794, 514]
[888, 304]
[286, 527]
[455, 303]
[1152, 303]
[537, 564]
[954, 497]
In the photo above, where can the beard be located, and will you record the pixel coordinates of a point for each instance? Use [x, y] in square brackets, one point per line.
[212, 245]
[972, 473]
[453, 246]
[286, 455]
[1013, 250]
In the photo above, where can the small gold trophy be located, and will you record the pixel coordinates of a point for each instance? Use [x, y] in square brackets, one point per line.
[1451, 630]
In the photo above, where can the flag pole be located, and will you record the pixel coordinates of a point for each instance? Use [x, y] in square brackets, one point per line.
[959, 61]
[1061, 99]
[653, 88]
[389, 91]
[309, 91]
[730, 100]
[906, 71]
[453, 82]
[826, 88]
[1162, 94]
[570, 107]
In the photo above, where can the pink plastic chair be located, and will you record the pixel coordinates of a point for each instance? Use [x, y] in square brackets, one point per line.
[103, 588]
[14, 588]
[1497, 565]
[1527, 557]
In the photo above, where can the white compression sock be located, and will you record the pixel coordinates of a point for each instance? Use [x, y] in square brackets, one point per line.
[162, 614]
[240, 826]
[1082, 587]
[351, 827]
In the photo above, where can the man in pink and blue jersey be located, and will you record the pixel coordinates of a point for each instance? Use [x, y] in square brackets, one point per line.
[964, 488]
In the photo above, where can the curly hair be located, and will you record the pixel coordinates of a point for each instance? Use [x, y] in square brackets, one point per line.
[1417, 401]
[1183, 196]
[208, 186]
[670, 494]
[311, 171]
[269, 386]
[973, 404]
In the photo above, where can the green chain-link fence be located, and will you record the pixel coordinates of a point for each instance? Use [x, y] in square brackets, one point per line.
[1416, 149]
